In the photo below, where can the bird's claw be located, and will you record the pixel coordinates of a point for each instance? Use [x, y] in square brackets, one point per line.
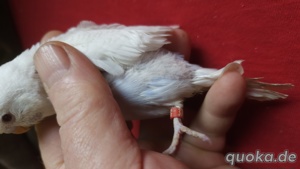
[176, 114]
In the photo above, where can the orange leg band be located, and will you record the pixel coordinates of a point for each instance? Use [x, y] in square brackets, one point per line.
[176, 112]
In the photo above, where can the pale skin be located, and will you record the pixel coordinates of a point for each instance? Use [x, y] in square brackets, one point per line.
[90, 132]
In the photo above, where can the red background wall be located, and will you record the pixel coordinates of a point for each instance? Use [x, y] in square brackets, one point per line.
[263, 33]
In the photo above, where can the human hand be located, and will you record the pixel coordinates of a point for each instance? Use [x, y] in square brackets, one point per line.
[89, 130]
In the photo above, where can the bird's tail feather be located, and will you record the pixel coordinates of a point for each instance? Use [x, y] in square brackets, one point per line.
[263, 91]
[256, 89]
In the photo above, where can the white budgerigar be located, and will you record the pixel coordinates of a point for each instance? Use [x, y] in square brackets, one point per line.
[147, 81]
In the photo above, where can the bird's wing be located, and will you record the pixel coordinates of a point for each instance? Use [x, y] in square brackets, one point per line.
[115, 47]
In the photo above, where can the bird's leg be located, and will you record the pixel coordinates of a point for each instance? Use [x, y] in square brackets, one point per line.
[176, 136]
[176, 113]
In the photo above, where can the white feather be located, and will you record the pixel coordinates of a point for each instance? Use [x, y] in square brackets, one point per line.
[115, 47]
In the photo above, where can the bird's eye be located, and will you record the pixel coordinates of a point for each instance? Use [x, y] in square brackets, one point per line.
[6, 118]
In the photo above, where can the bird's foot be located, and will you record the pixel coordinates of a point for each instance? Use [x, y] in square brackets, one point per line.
[176, 114]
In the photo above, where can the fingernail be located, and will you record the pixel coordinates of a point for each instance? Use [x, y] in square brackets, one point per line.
[52, 63]
[235, 67]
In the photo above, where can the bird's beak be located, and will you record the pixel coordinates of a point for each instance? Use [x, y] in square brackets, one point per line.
[20, 130]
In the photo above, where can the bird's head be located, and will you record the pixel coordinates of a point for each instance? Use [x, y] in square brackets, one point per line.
[21, 110]
[23, 100]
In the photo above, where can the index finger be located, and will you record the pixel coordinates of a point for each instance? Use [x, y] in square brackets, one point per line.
[214, 119]
[219, 109]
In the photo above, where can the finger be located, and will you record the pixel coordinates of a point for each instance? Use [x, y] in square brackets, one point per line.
[50, 35]
[49, 143]
[214, 119]
[90, 121]
[179, 43]
[220, 107]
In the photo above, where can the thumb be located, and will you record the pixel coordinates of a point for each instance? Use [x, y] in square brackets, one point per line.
[92, 129]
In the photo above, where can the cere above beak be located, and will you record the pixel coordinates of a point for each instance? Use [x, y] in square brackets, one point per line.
[20, 130]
